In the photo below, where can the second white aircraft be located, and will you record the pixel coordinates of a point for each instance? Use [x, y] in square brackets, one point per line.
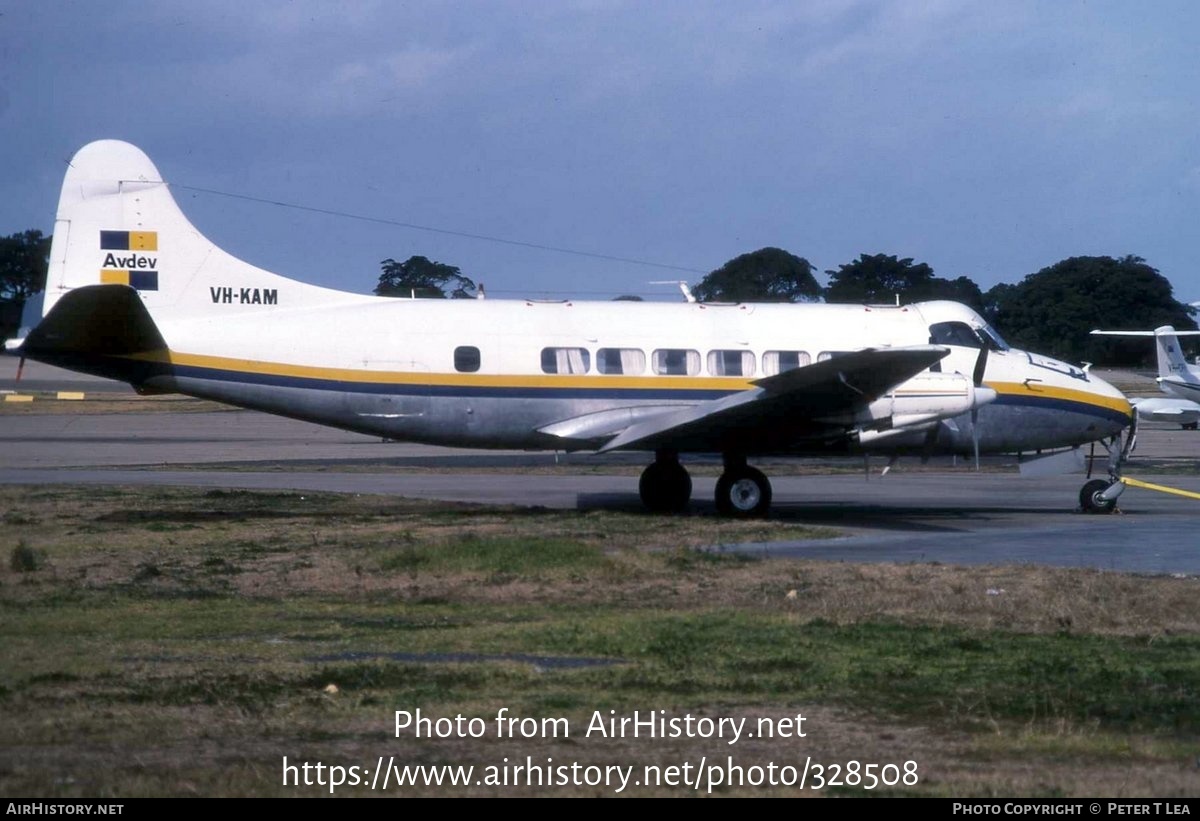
[1176, 378]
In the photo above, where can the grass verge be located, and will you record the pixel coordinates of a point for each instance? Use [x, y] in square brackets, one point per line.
[172, 642]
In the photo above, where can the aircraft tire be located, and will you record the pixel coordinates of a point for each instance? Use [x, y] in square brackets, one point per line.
[1089, 497]
[665, 487]
[743, 493]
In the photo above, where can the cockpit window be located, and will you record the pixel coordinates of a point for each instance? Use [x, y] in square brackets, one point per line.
[954, 333]
[993, 338]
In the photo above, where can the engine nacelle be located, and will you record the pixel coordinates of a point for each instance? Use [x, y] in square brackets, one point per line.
[919, 402]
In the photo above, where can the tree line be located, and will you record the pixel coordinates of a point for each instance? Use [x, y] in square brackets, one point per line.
[24, 258]
[1050, 311]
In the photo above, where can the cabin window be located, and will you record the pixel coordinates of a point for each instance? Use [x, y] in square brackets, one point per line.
[628, 361]
[466, 359]
[731, 363]
[825, 356]
[774, 362]
[566, 360]
[676, 362]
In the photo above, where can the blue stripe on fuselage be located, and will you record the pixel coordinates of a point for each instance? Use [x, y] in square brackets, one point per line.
[1048, 403]
[468, 391]
[589, 392]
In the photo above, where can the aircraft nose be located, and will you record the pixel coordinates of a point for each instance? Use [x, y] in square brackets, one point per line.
[1107, 396]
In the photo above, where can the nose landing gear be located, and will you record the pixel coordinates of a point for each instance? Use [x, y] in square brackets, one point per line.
[1091, 497]
[1098, 495]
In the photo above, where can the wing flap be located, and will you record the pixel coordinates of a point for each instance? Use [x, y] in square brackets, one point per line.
[603, 424]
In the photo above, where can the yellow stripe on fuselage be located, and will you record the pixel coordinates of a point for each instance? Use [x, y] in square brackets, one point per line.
[1043, 391]
[1015, 389]
[445, 379]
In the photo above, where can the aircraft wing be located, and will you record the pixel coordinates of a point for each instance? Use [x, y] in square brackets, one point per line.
[1162, 409]
[783, 408]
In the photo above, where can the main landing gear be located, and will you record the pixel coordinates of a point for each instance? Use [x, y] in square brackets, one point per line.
[742, 491]
[665, 485]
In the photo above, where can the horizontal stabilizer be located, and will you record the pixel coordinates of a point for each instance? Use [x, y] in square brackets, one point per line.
[1172, 367]
[1166, 330]
[99, 329]
[96, 319]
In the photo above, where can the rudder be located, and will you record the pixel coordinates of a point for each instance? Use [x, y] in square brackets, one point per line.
[1171, 361]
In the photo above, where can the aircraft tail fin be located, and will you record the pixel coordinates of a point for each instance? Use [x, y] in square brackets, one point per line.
[1171, 361]
[118, 224]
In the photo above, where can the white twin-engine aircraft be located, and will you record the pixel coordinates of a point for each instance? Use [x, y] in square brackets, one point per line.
[136, 293]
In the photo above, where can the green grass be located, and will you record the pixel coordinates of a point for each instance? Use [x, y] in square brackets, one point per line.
[960, 678]
[496, 555]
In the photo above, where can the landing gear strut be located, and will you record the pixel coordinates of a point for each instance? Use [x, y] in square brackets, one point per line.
[742, 491]
[1099, 495]
[665, 486]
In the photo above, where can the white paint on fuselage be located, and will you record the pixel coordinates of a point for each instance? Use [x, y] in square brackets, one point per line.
[243, 335]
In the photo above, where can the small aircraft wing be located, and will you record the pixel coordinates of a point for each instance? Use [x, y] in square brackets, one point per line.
[1164, 409]
[780, 408]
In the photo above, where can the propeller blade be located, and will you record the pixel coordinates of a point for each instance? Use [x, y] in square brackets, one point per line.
[931, 437]
[977, 376]
[975, 435]
[980, 366]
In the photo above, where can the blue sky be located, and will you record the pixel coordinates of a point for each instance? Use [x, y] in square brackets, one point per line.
[987, 139]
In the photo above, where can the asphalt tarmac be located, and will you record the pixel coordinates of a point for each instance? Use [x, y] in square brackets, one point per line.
[36, 377]
[949, 515]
